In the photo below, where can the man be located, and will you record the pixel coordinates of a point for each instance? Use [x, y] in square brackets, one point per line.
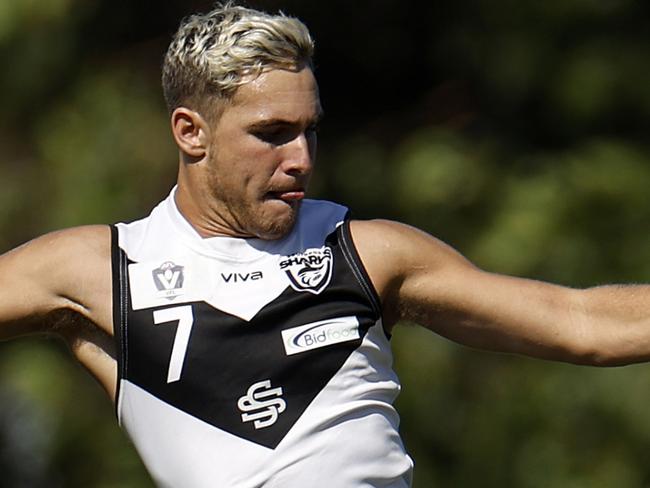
[241, 330]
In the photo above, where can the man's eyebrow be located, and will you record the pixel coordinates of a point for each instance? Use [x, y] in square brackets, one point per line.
[280, 121]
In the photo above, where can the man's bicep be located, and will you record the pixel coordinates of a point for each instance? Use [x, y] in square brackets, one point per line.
[433, 283]
[422, 280]
[408, 268]
[27, 288]
[42, 276]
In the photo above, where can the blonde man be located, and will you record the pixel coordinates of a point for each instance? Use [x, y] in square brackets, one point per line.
[243, 330]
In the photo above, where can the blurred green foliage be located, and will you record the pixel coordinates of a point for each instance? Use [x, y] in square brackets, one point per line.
[515, 131]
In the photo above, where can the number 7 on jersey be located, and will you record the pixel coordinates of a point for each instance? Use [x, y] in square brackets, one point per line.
[185, 318]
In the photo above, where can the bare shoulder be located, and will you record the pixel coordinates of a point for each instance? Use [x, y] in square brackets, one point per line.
[67, 269]
[61, 254]
[91, 238]
[394, 238]
[399, 250]
[397, 256]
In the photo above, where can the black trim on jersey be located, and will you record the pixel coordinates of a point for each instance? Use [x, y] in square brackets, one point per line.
[358, 269]
[120, 307]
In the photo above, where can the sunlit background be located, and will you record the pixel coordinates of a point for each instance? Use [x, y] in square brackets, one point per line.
[517, 131]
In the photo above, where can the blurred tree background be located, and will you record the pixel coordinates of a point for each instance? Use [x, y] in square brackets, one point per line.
[515, 131]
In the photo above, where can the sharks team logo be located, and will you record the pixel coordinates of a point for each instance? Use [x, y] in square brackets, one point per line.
[168, 279]
[309, 271]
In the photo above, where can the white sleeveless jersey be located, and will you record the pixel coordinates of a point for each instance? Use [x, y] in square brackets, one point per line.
[246, 363]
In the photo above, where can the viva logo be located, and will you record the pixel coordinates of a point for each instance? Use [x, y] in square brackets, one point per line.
[242, 277]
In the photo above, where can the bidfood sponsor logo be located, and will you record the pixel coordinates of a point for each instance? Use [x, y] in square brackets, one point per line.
[320, 334]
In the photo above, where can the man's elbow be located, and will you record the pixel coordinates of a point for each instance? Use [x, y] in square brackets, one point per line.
[603, 354]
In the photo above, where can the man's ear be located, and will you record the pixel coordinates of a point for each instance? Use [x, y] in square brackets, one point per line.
[190, 132]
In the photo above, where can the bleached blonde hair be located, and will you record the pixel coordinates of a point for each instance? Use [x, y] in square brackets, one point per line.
[212, 54]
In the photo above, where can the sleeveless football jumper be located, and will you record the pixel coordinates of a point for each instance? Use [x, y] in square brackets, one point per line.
[245, 363]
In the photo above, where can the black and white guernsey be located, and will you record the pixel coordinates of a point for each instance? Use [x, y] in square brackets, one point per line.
[246, 363]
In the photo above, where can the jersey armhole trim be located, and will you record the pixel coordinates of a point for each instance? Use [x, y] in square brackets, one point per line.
[120, 308]
[358, 269]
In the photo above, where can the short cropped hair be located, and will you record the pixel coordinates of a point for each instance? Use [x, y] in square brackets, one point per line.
[212, 54]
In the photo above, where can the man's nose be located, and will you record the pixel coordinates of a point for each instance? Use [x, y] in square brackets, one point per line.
[299, 156]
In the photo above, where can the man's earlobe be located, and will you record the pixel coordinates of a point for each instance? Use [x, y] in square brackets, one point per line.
[190, 132]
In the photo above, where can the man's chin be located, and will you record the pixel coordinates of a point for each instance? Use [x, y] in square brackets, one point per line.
[278, 223]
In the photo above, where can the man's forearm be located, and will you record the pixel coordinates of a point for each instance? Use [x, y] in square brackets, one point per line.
[616, 323]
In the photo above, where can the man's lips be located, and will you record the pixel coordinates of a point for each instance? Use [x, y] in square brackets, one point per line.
[287, 195]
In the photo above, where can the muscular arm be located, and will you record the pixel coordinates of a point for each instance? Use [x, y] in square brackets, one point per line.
[60, 284]
[423, 280]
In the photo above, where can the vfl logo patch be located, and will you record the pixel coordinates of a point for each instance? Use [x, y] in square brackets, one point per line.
[320, 334]
[309, 271]
[265, 403]
[169, 278]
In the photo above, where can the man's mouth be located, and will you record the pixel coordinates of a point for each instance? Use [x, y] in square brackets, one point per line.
[287, 196]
